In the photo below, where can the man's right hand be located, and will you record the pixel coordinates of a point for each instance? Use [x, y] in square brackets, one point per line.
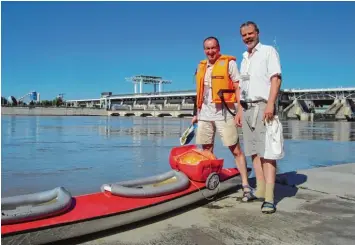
[194, 120]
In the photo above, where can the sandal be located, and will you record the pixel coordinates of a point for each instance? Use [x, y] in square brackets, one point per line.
[248, 196]
[268, 208]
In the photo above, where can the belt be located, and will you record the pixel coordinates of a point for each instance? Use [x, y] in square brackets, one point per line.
[248, 104]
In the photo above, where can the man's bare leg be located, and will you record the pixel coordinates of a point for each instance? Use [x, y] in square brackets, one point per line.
[241, 164]
[208, 147]
[259, 175]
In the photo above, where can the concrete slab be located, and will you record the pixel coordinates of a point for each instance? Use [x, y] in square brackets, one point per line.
[336, 180]
[304, 216]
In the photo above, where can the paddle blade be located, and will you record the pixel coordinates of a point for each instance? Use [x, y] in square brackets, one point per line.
[188, 135]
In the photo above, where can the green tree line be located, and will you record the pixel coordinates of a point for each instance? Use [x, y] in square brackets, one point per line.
[46, 103]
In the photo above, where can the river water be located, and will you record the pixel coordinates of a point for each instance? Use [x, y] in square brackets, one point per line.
[82, 153]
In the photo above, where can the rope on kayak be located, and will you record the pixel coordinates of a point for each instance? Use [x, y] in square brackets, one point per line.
[211, 183]
[207, 198]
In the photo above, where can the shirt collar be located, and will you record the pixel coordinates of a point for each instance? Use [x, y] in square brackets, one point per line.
[256, 48]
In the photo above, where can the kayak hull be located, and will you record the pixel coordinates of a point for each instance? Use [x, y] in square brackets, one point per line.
[75, 223]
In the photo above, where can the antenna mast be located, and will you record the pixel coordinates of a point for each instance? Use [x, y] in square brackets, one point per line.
[275, 45]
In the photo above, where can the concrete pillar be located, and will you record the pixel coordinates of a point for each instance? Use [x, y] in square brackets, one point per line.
[310, 105]
[346, 111]
[160, 86]
[141, 86]
[304, 116]
[312, 117]
[298, 110]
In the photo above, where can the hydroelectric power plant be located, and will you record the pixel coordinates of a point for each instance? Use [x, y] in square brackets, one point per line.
[297, 104]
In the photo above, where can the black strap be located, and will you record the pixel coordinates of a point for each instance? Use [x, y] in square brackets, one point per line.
[221, 93]
[194, 113]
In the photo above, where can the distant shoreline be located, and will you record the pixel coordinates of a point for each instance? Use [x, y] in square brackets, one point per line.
[52, 111]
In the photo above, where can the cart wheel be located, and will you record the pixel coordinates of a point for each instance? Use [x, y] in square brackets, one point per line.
[212, 181]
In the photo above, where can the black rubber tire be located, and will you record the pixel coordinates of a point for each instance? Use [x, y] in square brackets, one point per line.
[212, 181]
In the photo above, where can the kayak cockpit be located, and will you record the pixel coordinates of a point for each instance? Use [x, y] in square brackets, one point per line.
[153, 186]
[35, 206]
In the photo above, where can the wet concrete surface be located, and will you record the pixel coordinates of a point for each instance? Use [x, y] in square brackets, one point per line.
[304, 216]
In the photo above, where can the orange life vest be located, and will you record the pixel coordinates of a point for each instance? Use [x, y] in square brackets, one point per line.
[220, 80]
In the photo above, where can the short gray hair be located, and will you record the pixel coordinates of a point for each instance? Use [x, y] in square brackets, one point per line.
[249, 23]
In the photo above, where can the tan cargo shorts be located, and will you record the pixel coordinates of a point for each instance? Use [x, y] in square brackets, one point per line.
[227, 130]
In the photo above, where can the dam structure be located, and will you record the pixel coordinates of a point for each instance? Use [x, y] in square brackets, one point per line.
[298, 104]
[332, 103]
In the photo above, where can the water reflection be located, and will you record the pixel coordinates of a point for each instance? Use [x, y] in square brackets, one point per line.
[147, 138]
[12, 127]
[33, 127]
[336, 131]
[138, 127]
[82, 153]
[170, 127]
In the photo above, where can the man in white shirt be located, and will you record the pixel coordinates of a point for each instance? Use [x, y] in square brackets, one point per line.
[259, 87]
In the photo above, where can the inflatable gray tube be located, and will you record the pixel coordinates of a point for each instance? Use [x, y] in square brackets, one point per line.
[137, 188]
[24, 208]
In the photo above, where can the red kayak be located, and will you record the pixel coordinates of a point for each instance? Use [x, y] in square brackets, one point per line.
[107, 209]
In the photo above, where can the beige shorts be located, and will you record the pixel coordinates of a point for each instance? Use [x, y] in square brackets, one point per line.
[227, 130]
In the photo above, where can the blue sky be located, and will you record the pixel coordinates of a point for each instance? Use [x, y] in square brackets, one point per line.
[84, 48]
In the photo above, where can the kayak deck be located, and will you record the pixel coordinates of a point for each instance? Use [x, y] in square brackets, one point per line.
[98, 205]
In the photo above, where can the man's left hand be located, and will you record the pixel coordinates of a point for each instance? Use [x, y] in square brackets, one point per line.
[269, 113]
[238, 119]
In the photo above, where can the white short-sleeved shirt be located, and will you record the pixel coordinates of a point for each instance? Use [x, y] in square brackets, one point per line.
[211, 111]
[256, 71]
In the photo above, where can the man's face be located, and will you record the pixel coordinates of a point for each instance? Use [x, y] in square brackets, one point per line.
[211, 50]
[250, 36]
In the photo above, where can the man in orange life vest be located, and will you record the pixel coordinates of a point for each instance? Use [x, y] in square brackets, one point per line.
[215, 73]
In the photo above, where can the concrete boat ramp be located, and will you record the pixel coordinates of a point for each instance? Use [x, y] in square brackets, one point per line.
[315, 206]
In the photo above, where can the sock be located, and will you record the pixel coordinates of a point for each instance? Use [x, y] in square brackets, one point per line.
[269, 192]
[260, 188]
